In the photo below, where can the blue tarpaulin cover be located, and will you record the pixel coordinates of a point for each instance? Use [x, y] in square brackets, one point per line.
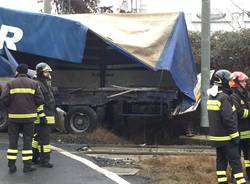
[64, 39]
[8, 63]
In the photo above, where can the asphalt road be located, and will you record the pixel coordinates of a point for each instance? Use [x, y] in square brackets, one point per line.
[68, 169]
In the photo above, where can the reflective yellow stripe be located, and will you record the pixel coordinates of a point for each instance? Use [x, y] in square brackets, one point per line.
[219, 173]
[241, 181]
[46, 148]
[245, 114]
[22, 90]
[27, 152]
[34, 146]
[213, 105]
[236, 134]
[245, 134]
[222, 179]
[245, 137]
[10, 157]
[222, 138]
[41, 115]
[27, 157]
[22, 115]
[247, 163]
[40, 108]
[12, 151]
[218, 81]
[238, 175]
[36, 121]
[50, 119]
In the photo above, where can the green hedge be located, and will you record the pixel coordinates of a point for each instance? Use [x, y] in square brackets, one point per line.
[229, 50]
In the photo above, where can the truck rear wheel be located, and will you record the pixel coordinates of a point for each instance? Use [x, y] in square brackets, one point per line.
[81, 119]
[3, 121]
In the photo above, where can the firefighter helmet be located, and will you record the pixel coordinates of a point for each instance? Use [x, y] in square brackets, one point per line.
[222, 78]
[42, 67]
[237, 78]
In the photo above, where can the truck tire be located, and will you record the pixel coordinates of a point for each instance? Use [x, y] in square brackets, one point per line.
[81, 119]
[3, 121]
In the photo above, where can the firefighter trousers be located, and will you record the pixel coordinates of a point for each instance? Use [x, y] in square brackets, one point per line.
[41, 143]
[13, 131]
[245, 148]
[228, 154]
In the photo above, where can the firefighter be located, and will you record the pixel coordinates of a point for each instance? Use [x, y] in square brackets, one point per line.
[41, 141]
[240, 99]
[21, 96]
[223, 130]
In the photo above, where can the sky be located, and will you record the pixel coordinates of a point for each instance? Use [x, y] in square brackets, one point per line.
[152, 5]
[26, 5]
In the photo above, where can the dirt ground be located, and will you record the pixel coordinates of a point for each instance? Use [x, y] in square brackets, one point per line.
[186, 169]
[160, 169]
[196, 169]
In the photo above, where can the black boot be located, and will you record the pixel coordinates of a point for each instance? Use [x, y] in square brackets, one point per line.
[47, 165]
[28, 168]
[12, 169]
[12, 166]
[35, 156]
[45, 158]
[35, 162]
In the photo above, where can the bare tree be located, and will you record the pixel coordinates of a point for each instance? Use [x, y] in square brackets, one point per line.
[76, 6]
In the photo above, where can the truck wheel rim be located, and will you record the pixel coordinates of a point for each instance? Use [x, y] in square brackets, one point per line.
[79, 122]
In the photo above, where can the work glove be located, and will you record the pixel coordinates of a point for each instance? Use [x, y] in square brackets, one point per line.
[43, 120]
[235, 140]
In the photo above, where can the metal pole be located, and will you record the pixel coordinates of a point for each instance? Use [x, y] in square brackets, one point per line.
[131, 5]
[136, 6]
[205, 60]
[69, 6]
[47, 6]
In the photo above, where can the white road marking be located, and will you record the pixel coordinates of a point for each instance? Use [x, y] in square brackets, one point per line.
[92, 165]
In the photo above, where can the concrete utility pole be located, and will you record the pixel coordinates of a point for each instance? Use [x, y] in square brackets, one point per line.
[69, 6]
[205, 60]
[47, 6]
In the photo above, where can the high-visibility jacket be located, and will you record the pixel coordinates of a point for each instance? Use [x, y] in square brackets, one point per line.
[49, 104]
[222, 119]
[22, 96]
[241, 100]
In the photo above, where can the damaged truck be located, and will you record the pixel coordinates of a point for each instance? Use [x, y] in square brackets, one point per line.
[104, 65]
